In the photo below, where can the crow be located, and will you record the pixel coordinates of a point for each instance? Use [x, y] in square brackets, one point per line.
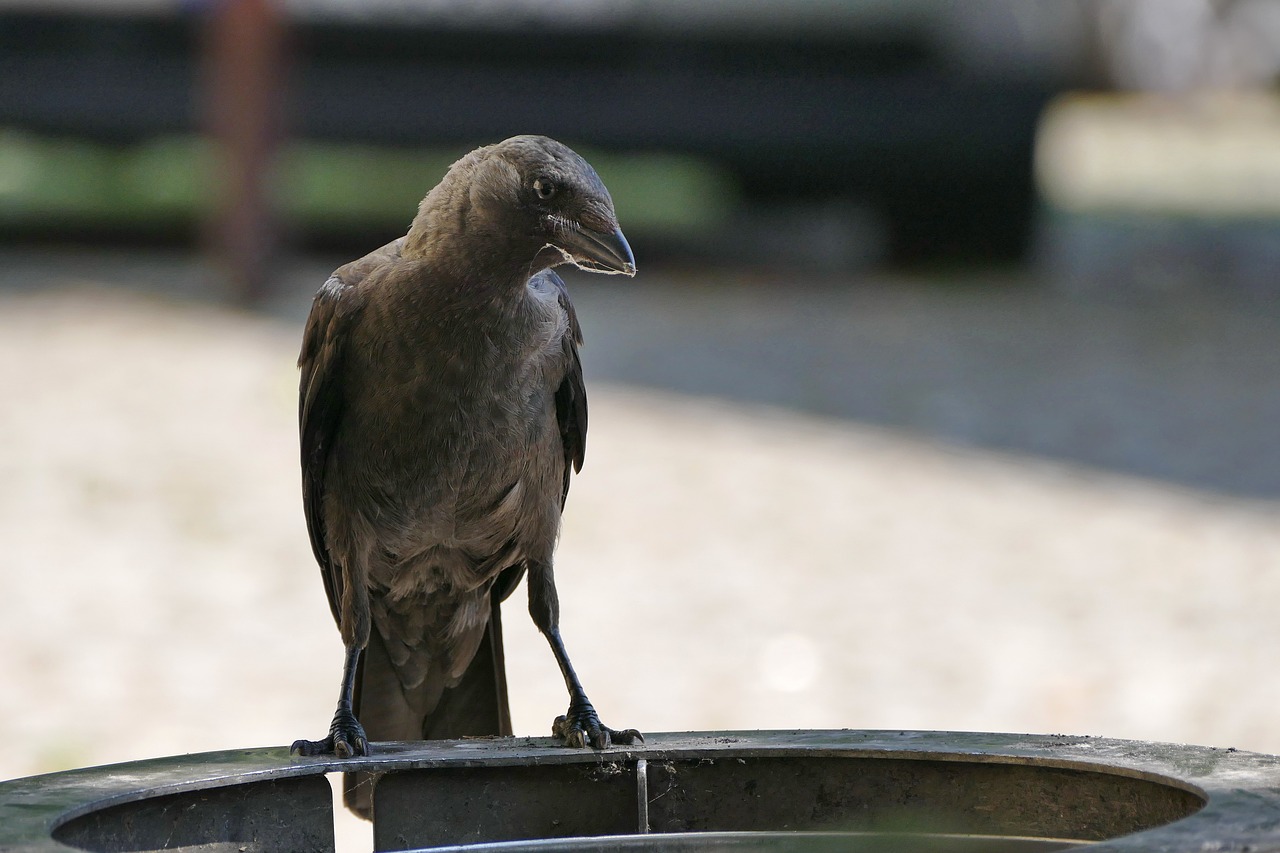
[441, 412]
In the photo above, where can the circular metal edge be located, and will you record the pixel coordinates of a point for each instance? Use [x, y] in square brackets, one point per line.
[1241, 789]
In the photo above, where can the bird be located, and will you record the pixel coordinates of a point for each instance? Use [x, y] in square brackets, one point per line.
[442, 412]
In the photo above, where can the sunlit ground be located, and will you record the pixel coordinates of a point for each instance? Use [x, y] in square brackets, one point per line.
[1022, 505]
[723, 565]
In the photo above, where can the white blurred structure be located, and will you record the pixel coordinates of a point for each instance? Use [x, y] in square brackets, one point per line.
[1175, 45]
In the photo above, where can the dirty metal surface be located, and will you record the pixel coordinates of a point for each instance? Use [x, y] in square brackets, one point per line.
[767, 793]
[280, 814]
[1024, 792]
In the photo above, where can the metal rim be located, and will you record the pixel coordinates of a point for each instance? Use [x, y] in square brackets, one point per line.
[1239, 790]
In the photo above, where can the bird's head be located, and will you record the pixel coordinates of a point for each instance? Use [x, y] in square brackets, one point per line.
[541, 189]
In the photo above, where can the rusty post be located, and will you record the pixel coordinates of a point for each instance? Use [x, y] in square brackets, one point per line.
[244, 83]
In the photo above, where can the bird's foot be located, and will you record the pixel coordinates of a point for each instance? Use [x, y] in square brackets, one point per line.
[346, 739]
[581, 726]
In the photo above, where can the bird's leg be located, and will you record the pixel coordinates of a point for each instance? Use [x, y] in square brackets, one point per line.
[580, 725]
[346, 735]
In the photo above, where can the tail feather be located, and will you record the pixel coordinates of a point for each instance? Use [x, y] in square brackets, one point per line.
[478, 705]
[475, 707]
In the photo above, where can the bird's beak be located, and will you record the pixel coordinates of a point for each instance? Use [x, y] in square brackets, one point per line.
[597, 251]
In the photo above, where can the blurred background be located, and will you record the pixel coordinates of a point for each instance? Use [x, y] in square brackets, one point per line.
[947, 395]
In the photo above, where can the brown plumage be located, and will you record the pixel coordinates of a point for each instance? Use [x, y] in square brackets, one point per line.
[441, 412]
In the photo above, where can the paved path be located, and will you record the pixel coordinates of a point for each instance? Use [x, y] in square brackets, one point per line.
[724, 564]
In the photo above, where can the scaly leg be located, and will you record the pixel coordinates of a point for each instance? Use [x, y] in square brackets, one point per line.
[580, 725]
[346, 735]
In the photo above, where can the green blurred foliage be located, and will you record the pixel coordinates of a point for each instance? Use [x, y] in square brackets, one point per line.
[173, 180]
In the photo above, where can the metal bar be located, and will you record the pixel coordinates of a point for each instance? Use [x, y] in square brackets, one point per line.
[642, 796]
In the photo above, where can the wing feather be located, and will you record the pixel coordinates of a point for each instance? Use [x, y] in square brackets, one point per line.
[320, 408]
[571, 396]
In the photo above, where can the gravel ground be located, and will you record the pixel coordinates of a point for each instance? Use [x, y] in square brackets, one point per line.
[723, 564]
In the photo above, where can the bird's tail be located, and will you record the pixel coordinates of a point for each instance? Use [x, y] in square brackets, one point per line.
[475, 707]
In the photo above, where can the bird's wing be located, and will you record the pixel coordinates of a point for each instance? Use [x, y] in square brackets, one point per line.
[571, 415]
[571, 396]
[320, 405]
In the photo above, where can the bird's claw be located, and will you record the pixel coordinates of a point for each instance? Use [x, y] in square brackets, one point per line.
[581, 726]
[346, 739]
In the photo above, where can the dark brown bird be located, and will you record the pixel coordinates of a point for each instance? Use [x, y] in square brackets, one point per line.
[441, 411]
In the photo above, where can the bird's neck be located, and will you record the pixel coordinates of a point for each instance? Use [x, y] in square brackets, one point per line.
[451, 236]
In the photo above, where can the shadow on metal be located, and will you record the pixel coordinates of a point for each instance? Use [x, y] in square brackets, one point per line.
[742, 791]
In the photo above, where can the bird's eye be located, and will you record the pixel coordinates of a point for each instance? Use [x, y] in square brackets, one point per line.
[544, 187]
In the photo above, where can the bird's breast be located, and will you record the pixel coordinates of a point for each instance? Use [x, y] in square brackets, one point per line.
[454, 449]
